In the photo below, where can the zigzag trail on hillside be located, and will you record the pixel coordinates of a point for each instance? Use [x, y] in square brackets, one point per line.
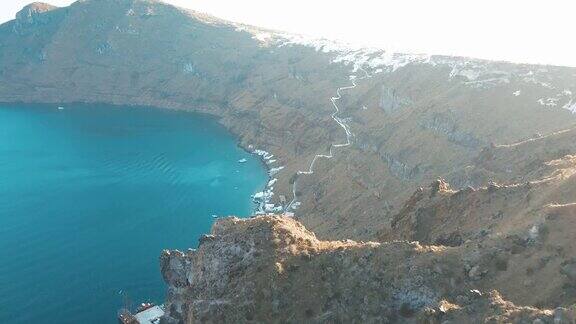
[342, 124]
[534, 139]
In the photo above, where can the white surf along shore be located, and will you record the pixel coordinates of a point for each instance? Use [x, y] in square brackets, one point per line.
[263, 199]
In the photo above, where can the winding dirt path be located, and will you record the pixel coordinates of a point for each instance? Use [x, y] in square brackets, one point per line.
[342, 124]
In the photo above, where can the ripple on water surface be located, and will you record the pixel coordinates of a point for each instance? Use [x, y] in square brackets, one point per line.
[90, 195]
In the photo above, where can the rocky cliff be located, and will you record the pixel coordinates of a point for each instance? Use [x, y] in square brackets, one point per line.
[272, 270]
[357, 136]
[410, 119]
[448, 256]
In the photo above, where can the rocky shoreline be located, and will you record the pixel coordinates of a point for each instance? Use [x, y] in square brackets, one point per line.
[417, 119]
[263, 199]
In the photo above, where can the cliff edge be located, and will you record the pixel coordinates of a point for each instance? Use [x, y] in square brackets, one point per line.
[408, 119]
[270, 269]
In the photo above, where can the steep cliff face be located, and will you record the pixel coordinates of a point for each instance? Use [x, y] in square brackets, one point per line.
[504, 129]
[411, 118]
[442, 258]
[516, 237]
[32, 15]
[272, 270]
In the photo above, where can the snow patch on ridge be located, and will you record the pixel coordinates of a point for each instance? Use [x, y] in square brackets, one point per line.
[564, 96]
[548, 102]
[532, 77]
[356, 56]
[475, 73]
[570, 106]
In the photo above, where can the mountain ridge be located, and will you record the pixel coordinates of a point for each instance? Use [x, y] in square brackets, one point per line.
[409, 120]
[230, 73]
[271, 269]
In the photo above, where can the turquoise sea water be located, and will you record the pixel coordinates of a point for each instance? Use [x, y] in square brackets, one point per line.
[90, 195]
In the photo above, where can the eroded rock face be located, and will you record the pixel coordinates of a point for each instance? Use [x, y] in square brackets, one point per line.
[31, 15]
[443, 124]
[270, 269]
[391, 101]
[515, 238]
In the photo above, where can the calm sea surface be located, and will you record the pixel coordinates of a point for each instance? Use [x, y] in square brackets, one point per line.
[90, 195]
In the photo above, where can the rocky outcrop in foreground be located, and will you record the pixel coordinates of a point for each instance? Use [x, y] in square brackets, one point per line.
[271, 269]
[502, 135]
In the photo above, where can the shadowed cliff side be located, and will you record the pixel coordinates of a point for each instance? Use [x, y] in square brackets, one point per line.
[516, 237]
[443, 257]
[272, 270]
[504, 222]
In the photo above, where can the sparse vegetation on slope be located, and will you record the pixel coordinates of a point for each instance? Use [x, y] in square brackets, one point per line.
[502, 220]
[272, 270]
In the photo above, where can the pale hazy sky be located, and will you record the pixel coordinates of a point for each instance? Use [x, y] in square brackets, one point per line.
[529, 31]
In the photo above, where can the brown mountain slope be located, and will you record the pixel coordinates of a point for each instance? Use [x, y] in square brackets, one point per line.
[410, 120]
[272, 270]
[522, 161]
[414, 119]
[517, 237]
[441, 250]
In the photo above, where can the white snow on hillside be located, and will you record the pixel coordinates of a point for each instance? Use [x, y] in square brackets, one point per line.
[563, 97]
[571, 106]
[532, 77]
[548, 102]
[474, 73]
[358, 57]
